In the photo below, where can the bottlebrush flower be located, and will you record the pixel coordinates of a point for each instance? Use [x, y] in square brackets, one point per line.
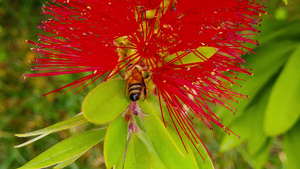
[103, 37]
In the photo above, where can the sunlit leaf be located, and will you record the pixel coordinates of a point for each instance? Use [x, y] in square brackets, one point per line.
[137, 156]
[201, 54]
[167, 145]
[156, 162]
[292, 147]
[207, 163]
[105, 102]
[154, 124]
[283, 107]
[115, 141]
[71, 122]
[285, 1]
[67, 149]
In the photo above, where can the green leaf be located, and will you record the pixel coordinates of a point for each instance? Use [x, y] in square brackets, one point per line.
[276, 31]
[207, 164]
[115, 141]
[249, 126]
[285, 1]
[71, 122]
[292, 147]
[67, 162]
[105, 102]
[201, 54]
[67, 149]
[257, 137]
[156, 127]
[265, 65]
[137, 156]
[31, 141]
[261, 157]
[156, 162]
[166, 144]
[283, 107]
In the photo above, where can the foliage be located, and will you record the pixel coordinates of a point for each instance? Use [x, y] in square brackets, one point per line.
[21, 111]
[272, 115]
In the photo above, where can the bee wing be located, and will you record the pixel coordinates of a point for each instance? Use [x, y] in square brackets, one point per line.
[144, 89]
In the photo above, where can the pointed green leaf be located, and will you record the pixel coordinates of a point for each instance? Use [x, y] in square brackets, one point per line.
[155, 125]
[261, 157]
[137, 156]
[67, 162]
[201, 54]
[193, 159]
[67, 149]
[285, 1]
[283, 107]
[105, 102]
[166, 143]
[31, 141]
[257, 137]
[156, 162]
[249, 127]
[264, 68]
[292, 147]
[115, 141]
[71, 122]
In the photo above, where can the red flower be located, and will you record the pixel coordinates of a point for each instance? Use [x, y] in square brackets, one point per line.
[104, 36]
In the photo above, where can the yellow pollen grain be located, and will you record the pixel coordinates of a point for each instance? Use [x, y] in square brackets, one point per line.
[164, 81]
[212, 73]
[95, 71]
[88, 7]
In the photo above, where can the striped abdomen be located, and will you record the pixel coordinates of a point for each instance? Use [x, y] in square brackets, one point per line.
[135, 91]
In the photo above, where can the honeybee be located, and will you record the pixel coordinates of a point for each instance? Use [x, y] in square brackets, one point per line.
[135, 84]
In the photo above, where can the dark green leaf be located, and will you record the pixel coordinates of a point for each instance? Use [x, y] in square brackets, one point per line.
[71, 122]
[283, 107]
[137, 156]
[67, 149]
[265, 65]
[105, 102]
[115, 141]
[292, 147]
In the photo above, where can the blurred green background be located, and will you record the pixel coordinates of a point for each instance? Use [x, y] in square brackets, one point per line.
[268, 124]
